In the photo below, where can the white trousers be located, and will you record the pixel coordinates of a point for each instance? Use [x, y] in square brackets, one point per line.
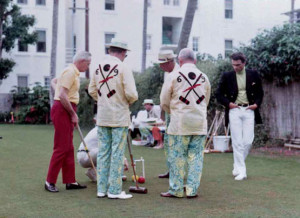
[242, 134]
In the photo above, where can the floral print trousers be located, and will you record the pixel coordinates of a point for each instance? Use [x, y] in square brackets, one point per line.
[185, 150]
[112, 143]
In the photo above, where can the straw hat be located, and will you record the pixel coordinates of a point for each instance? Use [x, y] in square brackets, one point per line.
[118, 44]
[148, 101]
[165, 56]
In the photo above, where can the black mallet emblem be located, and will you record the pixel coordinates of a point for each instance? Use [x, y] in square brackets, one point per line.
[105, 81]
[192, 87]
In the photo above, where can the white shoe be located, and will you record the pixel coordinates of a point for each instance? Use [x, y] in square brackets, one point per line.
[122, 195]
[240, 177]
[235, 173]
[101, 195]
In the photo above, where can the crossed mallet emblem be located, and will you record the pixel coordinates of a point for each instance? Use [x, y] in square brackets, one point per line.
[191, 88]
[106, 79]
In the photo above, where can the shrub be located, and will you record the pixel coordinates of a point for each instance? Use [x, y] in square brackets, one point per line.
[31, 106]
[85, 106]
[275, 53]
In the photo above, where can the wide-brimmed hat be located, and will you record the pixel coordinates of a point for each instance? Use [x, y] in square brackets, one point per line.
[165, 56]
[148, 101]
[118, 44]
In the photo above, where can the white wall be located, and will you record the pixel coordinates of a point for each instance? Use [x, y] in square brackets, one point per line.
[37, 65]
[126, 21]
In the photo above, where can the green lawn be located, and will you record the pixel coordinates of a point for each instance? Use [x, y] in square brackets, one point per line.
[271, 190]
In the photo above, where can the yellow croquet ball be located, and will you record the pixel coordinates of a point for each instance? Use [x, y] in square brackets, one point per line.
[137, 178]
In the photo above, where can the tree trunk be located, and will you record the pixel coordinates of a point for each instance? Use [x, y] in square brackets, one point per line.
[1, 31]
[187, 25]
[292, 15]
[144, 54]
[53, 47]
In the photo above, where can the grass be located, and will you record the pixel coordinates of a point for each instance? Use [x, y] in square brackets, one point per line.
[271, 190]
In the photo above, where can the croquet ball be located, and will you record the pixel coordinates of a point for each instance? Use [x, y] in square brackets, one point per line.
[137, 178]
[141, 180]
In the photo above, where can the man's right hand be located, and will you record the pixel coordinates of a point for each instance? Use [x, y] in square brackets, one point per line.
[233, 105]
[74, 119]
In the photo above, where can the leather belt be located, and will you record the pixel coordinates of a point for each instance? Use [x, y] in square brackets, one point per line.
[83, 151]
[243, 105]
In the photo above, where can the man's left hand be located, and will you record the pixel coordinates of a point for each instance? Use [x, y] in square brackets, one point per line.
[252, 107]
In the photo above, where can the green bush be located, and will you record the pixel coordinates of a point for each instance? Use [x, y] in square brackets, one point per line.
[275, 53]
[148, 86]
[6, 66]
[5, 117]
[31, 106]
[85, 107]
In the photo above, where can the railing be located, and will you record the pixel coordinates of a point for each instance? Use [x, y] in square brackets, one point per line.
[70, 52]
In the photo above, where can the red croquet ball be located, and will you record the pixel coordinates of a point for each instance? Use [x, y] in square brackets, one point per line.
[141, 180]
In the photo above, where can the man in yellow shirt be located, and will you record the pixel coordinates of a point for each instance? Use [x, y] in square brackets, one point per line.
[185, 96]
[64, 117]
[113, 87]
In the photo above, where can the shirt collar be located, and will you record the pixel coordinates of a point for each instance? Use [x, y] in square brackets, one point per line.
[188, 65]
[243, 71]
[76, 69]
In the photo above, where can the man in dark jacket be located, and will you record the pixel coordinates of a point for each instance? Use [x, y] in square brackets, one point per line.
[240, 91]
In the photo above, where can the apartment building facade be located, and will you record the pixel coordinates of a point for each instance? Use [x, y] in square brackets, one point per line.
[218, 27]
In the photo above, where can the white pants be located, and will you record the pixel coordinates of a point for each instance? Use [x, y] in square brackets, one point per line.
[242, 134]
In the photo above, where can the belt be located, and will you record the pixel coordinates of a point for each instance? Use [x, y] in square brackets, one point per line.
[243, 105]
[83, 151]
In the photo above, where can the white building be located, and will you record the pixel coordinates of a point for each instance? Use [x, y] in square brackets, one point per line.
[219, 26]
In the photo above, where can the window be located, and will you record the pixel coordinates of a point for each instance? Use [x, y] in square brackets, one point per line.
[228, 9]
[166, 2]
[108, 38]
[22, 1]
[171, 27]
[47, 82]
[40, 2]
[195, 43]
[41, 43]
[22, 82]
[298, 17]
[176, 2]
[110, 5]
[22, 47]
[228, 48]
[148, 42]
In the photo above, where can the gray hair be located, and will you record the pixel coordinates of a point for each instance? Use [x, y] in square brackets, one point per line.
[82, 55]
[186, 54]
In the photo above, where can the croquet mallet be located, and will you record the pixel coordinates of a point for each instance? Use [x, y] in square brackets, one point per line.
[85, 147]
[136, 188]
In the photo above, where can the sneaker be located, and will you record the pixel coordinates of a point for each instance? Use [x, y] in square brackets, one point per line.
[122, 195]
[101, 195]
[124, 178]
[240, 177]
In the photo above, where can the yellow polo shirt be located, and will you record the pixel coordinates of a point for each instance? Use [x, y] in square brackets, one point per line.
[70, 80]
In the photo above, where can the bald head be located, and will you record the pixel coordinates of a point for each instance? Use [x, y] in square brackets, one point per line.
[186, 55]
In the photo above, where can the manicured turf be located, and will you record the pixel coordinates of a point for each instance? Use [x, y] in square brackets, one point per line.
[272, 188]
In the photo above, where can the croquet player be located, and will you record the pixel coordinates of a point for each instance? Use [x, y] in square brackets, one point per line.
[113, 86]
[166, 61]
[91, 140]
[185, 96]
[240, 91]
[64, 118]
[150, 133]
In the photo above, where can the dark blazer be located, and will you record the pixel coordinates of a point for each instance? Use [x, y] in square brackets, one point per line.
[228, 91]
